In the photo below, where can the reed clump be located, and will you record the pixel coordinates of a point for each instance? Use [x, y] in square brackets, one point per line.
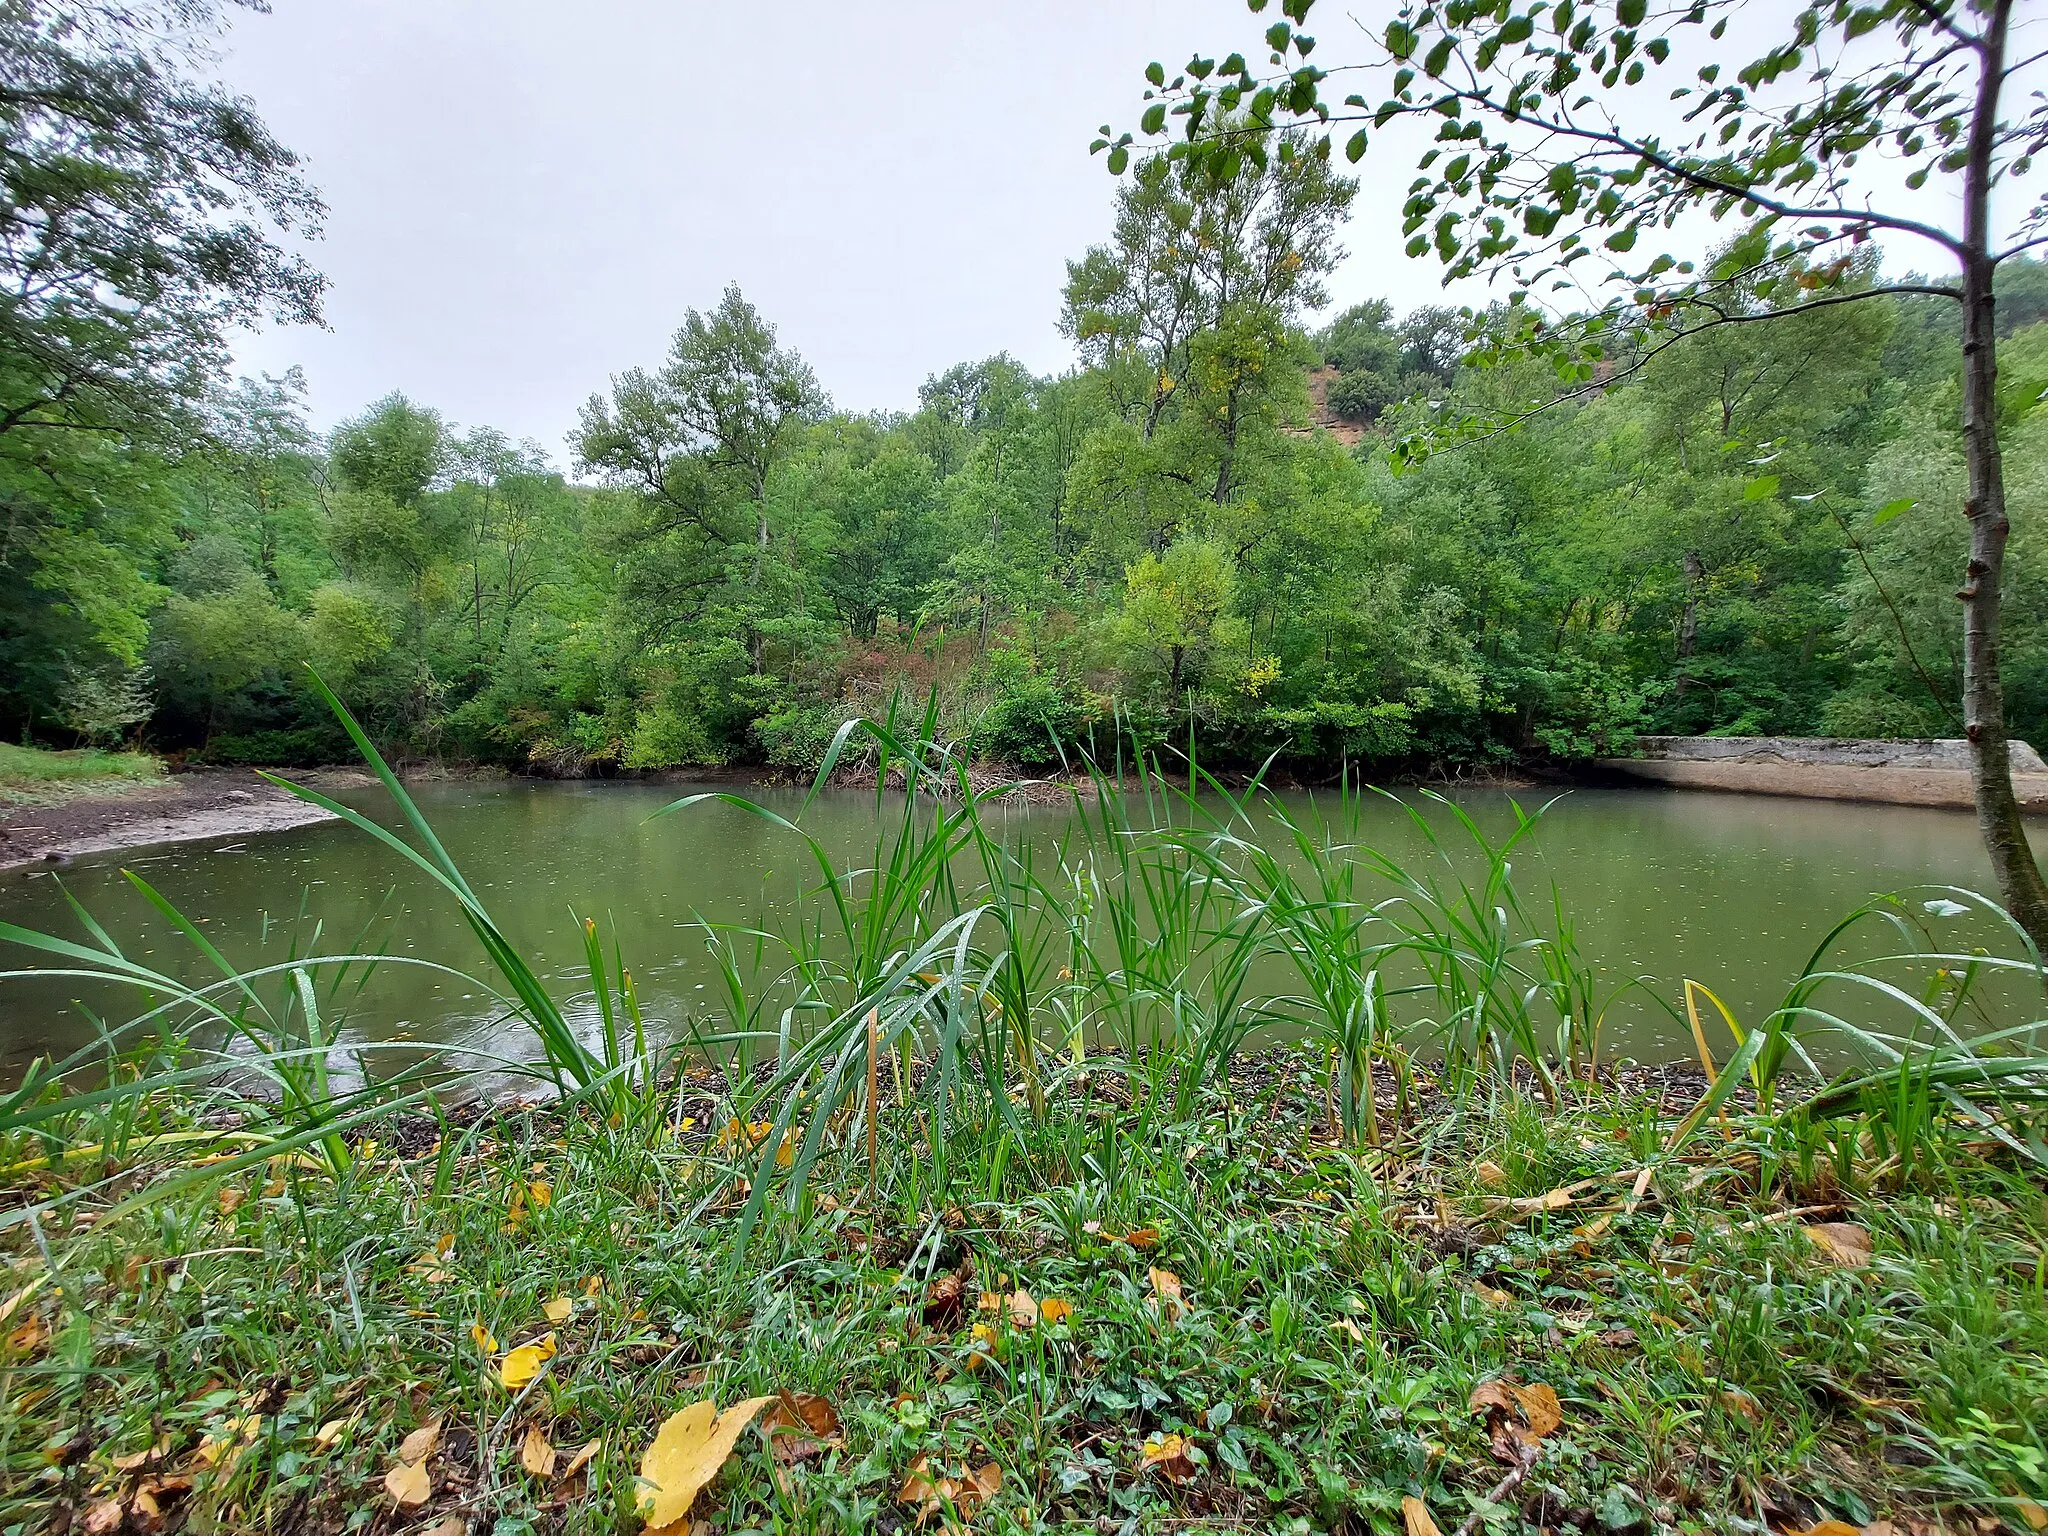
[1212, 1170]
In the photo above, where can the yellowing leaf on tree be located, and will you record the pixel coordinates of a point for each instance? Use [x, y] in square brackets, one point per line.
[1416, 1518]
[687, 1453]
[521, 1365]
[1841, 1242]
[409, 1484]
[536, 1454]
[558, 1309]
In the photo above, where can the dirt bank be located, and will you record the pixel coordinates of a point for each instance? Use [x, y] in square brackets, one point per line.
[181, 808]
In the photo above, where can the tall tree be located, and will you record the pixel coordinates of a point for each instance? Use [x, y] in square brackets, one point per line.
[1549, 152]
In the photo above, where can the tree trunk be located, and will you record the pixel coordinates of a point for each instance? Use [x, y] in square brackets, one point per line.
[1998, 812]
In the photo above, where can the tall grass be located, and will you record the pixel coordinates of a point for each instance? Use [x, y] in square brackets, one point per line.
[970, 977]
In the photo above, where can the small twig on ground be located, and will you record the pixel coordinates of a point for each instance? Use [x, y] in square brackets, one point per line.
[1500, 1490]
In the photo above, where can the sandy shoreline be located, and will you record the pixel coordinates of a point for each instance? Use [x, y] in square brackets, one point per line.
[182, 808]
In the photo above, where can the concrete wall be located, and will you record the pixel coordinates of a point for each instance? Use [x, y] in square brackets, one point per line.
[1933, 773]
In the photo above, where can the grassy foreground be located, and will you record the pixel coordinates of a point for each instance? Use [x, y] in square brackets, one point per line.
[35, 776]
[967, 1207]
[1253, 1328]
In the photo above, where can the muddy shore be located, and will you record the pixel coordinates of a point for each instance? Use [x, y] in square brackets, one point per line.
[181, 808]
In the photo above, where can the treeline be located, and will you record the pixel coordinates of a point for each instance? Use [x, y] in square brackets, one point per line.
[1206, 528]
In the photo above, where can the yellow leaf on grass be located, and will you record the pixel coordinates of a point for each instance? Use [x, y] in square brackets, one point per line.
[1023, 1310]
[1830, 1528]
[419, 1445]
[1540, 1407]
[579, 1461]
[540, 1192]
[2035, 1516]
[1053, 1310]
[687, 1453]
[536, 1454]
[454, 1525]
[330, 1432]
[559, 1309]
[524, 1363]
[485, 1340]
[1167, 1455]
[1841, 1242]
[1492, 1175]
[409, 1484]
[1166, 1298]
[1416, 1517]
[593, 1285]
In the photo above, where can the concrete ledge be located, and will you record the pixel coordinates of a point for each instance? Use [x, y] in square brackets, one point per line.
[1930, 773]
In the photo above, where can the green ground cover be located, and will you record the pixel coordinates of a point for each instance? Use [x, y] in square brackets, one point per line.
[34, 776]
[967, 1207]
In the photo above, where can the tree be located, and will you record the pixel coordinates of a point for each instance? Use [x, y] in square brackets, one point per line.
[1547, 156]
[1175, 606]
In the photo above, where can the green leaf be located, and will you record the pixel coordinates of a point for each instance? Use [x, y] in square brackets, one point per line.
[1277, 35]
[1400, 39]
[1155, 72]
[1356, 148]
[1155, 117]
[1439, 58]
[1762, 488]
[1119, 158]
[1892, 509]
[1630, 13]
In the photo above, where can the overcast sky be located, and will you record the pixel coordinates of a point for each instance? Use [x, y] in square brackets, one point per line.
[524, 196]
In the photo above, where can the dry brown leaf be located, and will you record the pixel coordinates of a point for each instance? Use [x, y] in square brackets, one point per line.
[687, 1453]
[1023, 1310]
[104, 1518]
[800, 1425]
[1540, 1407]
[2035, 1516]
[943, 1300]
[1492, 1175]
[1841, 1242]
[580, 1460]
[1166, 1295]
[1741, 1404]
[1053, 1310]
[1416, 1517]
[409, 1484]
[537, 1453]
[965, 1493]
[1167, 1455]
[419, 1445]
[453, 1525]
[1141, 1238]
[230, 1200]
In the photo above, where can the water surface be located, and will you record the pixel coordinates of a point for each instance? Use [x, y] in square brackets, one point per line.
[1732, 890]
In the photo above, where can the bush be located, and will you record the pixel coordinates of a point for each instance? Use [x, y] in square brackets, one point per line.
[1032, 712]
[279, 749]
[798, 735]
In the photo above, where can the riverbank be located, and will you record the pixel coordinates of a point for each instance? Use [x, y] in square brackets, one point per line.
[1109, 1311]
[102, 816]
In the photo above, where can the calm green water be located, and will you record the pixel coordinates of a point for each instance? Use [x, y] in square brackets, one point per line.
[1731, 890]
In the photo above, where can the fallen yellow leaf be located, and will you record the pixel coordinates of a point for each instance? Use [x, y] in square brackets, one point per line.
[454, 1525]
[419, 1445]
[559, 1309]
[687, 1453]
[1492, 1175]
[1830, 1528]
[524, 1363]
[593, 1285]
[409, 1484]
[540, 1192]
[1415, 1515]
[1023, 1310]
[1166, 1298]
[1053, 1310]
[486, 1341]
[1168, 1455]
[1841, 1242]
[536, 1454]
[579, 1461]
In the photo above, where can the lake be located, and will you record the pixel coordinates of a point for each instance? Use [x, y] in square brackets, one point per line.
[1731, 890]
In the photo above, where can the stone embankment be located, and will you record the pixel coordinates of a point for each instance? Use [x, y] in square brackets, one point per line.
[1933, 773]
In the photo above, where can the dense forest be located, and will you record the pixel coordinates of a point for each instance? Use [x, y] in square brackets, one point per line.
[1209, 528]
